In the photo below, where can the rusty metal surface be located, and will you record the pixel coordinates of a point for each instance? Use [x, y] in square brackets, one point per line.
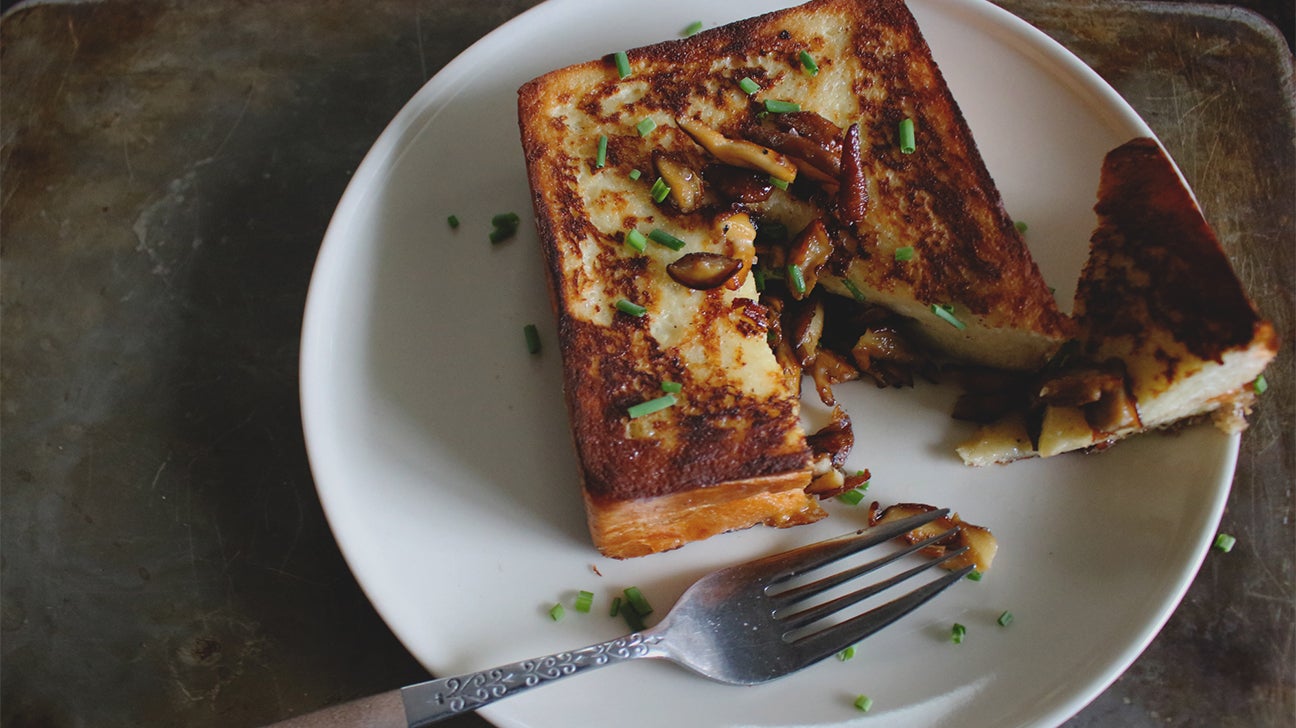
[167, 169]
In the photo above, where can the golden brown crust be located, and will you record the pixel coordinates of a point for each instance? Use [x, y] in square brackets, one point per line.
[624, 529]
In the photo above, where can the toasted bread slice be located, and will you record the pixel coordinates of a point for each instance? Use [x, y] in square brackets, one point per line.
[1161, 316]
[730, 452]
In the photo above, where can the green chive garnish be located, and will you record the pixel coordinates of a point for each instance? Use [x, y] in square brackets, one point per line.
[672, 387]
[645, 126]
[600, 159]
[957, 632]
[774, 106]
[1259, 386]
[630, 307]
[661, 237]
[974, 575]
[855, 292]
[779, 183]
[863, 703]
[452, 221]
[692, 28]
[635, 598]
[907, 145]
[796, 278]
[556, 612]
[636, 240]
[808, 63]
[1020, 225]
[649, 407]
[759, 275]
[947, 314]
[635, 174]
[632, 618]
[584, 600]
[505, 226]
[532, 335]
[846, 654]
[748, 86]
[622, 64]
[659, 190]
[616, 607]
[852, 496]
[905, 253]
[1224, 542]
[1005, 619]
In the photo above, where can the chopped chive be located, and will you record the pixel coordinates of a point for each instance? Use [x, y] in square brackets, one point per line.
[636, 240]
[659, 190]
[584, 600]
[782, 184]
[974, 575]
[635, 174]
[774, 106]
[672, 387]
[600, 159]
[748, 86]
[556, 612]
[907, 144]
[645, 126]
[616, 607]
[532, 335]
[796, 278]
[905, 253]
[957, 633]
[622, 64]
[647, 408]
[808, 63]
[1260, 385]
[634, 596]
[661, 237]
[846, 654]
[633, 619]
[505, 226]
[1224, 542]
[1005, 619]
[630, 307]
[852, 496]
[759, 275]
[692, 28]
[452, 221]
[946, 313]
[1020, 225]
[506, 219]
[855, 292]
[863, 703]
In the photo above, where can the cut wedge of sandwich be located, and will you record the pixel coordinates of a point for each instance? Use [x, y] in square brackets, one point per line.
[671, 181]
[1166, 331]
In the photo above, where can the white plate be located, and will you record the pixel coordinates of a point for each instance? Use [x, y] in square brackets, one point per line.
[441, 451]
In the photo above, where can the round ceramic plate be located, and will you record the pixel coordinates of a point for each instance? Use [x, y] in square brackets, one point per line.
[442, 456]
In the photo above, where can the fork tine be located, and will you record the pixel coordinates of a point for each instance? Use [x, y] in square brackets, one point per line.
[831, 640]
[798, 561]
[819, 611]
[805, 591]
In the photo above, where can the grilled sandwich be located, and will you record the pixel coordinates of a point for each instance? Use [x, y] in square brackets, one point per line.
[1166, 331]
[673, 183]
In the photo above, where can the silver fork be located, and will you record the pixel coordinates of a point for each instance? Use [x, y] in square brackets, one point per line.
[735, 626]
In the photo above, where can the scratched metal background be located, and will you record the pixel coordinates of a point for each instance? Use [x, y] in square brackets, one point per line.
[167, 170]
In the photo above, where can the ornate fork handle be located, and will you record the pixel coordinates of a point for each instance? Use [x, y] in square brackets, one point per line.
[430, 701]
